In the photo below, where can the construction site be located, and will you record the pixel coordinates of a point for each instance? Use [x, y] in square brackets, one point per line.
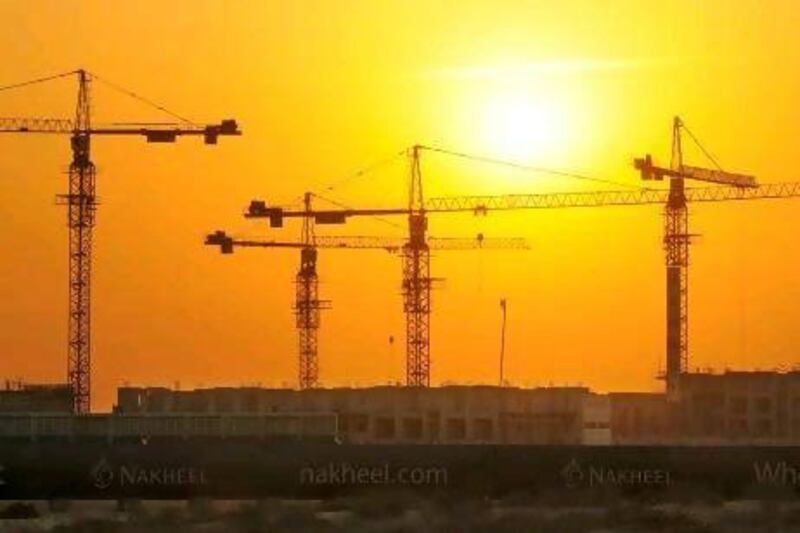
[708, 408]
[399, 266]
[727, 408]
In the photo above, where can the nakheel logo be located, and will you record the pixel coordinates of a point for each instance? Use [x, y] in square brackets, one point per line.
[102, 474]
[572, 474]
[105, 475]
[575, 475]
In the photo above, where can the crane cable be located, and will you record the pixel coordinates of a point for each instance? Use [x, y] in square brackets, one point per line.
[701, 147]
[363, 171]
[105, 82]
[519, 166]
[142, 99]
[527, 168]
[350, 177]
[38, 80]
[344, 206]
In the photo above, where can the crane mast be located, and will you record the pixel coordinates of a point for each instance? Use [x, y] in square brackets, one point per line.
[676, 250]
[677, 240]
[308, 305]
[417, 282]
[80, 201]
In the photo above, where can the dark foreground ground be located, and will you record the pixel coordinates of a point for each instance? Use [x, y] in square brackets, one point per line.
[680, 511]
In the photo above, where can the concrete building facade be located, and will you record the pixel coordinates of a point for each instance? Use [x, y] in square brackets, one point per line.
[725, 408]
[31, 398]
[391, 414]
[641, 418]
[741, 407]
[759, 408]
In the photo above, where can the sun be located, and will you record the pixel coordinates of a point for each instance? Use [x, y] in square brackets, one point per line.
[524, 128]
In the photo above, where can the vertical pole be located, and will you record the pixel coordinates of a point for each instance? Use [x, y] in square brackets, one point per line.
[81, 206]
[503, 306]
[307, 305]
[417, 307]
[416, 284]
[676, 247]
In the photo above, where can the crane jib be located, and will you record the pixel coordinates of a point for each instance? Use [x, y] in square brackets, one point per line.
[153, 134]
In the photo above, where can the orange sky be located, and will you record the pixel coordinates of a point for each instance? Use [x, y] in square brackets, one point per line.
[322, 89]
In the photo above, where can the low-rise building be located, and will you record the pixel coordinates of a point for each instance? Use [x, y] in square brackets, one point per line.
[741, 407]
[706, 408]
[641, 418]
[30, 398]
[393, 414]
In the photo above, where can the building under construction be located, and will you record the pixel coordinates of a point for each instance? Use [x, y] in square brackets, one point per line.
[730, 408]
[411, 415]
[744, 408]
[726, 408]
[734, 407]
[26, 397]
[726, 432]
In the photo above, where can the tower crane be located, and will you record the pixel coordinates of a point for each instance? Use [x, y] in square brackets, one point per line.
[307, 304]
[415, 252]
[81, 205]
[677, 239]
[416, 278]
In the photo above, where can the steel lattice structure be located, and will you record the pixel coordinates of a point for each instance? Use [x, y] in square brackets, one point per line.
[676, 252]
[676, 239]
[307, 304]
[416, 283]
[393, 245]
[416, 289]
[81, 206]
[81, 212]
[307, 318]
[39, 125]
[485, 203]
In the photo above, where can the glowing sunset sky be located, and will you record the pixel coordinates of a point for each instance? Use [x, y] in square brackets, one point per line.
[324, 88]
